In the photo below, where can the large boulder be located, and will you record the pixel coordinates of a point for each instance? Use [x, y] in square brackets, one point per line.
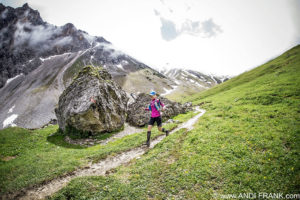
[138, 116]
[93, 103]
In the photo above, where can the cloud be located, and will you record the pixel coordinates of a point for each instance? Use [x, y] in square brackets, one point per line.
[205, 29]
[191, 27]
[210, 29]
[35, 35]
[114, 52]
[38, 36]
[168, 29]
[62, 41]
[174, 24]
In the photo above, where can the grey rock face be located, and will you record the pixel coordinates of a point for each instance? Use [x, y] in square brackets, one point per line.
[77, 112]
[138, 116]
[33, 97]
[24, 37]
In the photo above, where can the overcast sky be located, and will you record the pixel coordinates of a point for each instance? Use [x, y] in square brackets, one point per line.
[224, 37]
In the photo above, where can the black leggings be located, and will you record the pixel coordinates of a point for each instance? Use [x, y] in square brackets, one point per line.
[155, 119]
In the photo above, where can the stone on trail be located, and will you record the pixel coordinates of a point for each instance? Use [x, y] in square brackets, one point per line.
[138, 116]
[92, 104]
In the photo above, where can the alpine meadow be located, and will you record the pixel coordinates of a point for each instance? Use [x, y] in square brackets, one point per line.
[246, 142]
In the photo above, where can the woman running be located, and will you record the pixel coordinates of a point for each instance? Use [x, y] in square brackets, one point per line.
[155, 106]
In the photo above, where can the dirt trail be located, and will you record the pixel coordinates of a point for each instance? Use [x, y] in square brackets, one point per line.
[128, 130]
[103, 166]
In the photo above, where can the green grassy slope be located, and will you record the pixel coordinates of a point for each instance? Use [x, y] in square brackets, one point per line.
[31, 157]
[248, 141]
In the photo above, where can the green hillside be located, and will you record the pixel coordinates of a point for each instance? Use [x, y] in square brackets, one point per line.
[248, 141]
[29, 158]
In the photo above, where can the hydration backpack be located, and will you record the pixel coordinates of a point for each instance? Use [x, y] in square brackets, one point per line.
[156, 105]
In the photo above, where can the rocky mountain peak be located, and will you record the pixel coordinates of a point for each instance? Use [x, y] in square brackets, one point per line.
[24, 37]
[25, 5]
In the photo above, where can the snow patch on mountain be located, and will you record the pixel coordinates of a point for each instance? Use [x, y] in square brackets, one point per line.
[119, 66]
[9, 121]
[199, 85]
[212, 77]
[11, 109]
[11, 79]
[53, 56]
[169, 91]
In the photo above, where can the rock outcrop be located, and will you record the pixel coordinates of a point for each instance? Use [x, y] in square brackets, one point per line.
[138, 116]
[93, 103]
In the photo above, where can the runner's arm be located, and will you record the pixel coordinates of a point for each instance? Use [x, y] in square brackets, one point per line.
[162, 105]
[148, 109]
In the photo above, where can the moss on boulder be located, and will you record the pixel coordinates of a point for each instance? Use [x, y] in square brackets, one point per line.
[77, 113]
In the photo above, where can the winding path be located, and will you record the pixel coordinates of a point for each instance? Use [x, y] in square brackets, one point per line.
[100, 168]
[128, 130]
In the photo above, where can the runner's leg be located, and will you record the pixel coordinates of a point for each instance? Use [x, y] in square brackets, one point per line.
[150, 124]
[159, 126]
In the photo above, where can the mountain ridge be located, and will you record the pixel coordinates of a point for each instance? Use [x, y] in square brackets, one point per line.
[189, 82]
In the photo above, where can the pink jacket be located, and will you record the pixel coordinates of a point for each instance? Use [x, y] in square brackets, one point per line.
[152, 107]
